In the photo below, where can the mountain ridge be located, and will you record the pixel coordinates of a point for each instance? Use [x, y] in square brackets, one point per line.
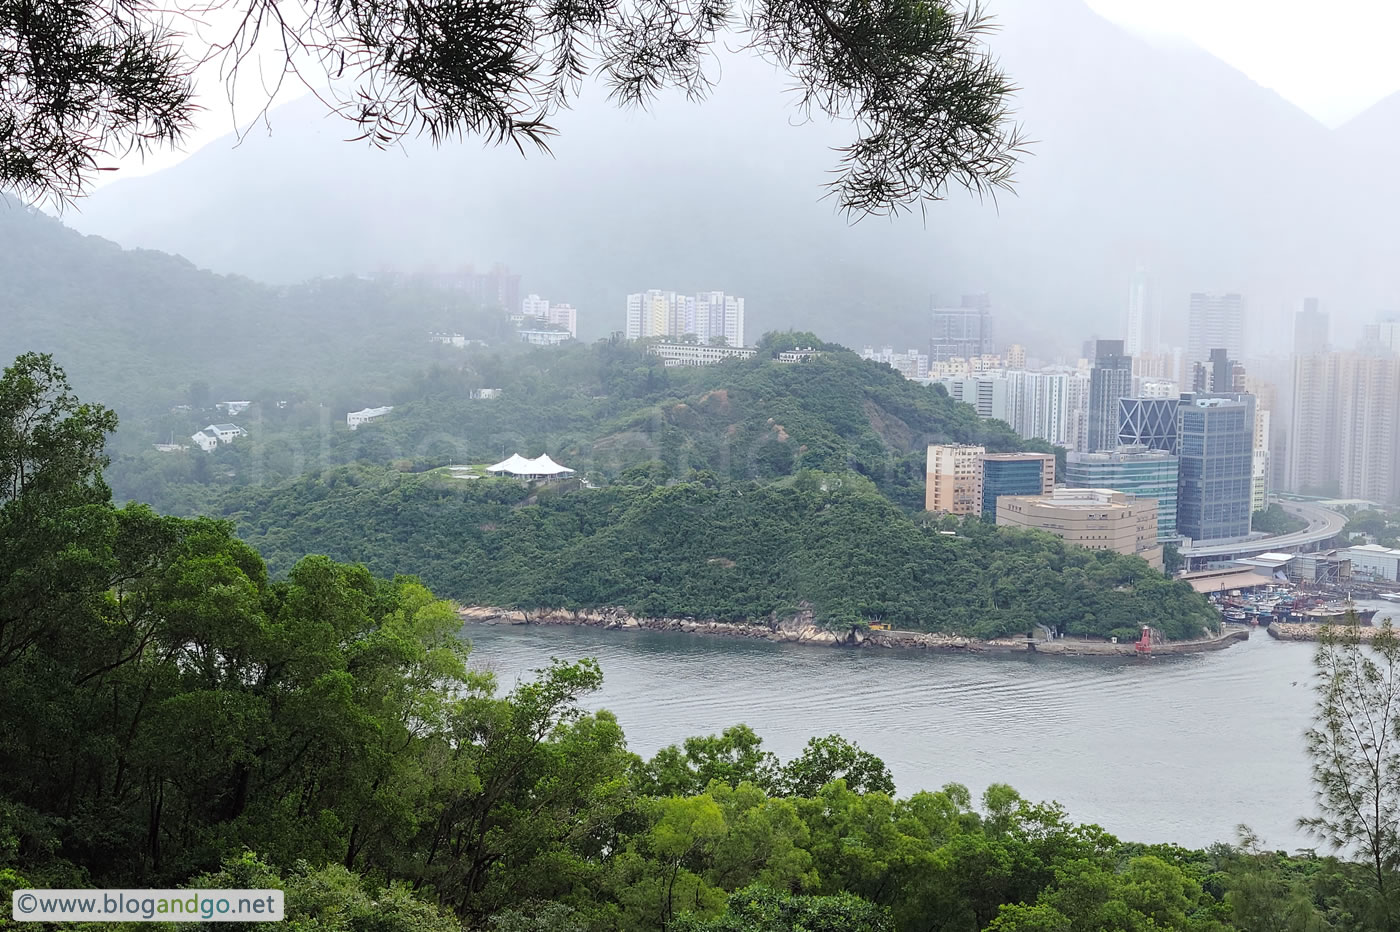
[1163, 155]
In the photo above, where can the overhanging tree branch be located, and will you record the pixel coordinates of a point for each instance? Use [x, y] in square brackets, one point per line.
[86, 80]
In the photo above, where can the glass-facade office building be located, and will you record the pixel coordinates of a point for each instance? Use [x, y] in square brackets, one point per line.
[1015, 474]
[1135, 470]
[1216, 453]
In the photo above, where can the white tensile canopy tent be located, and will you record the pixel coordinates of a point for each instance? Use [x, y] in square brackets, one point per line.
[541, 467]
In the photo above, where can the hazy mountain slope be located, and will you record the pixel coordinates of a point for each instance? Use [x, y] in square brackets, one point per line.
[134, 328]
[1158, 153]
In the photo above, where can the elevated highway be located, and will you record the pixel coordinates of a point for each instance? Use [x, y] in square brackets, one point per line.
[1323, 525]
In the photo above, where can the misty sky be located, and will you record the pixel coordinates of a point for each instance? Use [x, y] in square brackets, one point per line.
[1332, 60]
[1333, 66]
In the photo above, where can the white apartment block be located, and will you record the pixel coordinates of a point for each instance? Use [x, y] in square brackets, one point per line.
[708, 315]
[1077, 385]
[1346, 425]
[1263, 461]
[912, 364]
[564, 316]
[989, 395]
[1037, 402]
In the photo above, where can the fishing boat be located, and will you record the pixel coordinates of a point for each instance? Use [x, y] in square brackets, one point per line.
[1391, 596]
[1332, 613]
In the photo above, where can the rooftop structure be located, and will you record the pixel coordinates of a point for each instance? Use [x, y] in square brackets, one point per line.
[1227, 579]
[1374, 561]
[1099, 519]
[1150, 422]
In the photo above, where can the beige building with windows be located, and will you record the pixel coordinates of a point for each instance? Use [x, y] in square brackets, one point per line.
[954, 476]
[1099, 519]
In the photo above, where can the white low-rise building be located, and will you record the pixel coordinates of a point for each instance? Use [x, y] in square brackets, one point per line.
[233, 408]
[699, 354]
[544, 337]
[1373, 561]
[215, 434]
[355, 418]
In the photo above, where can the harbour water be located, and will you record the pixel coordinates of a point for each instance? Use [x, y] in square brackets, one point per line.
[1180, 749]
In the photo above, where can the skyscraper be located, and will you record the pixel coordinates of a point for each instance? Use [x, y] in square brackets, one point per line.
[1109, 380]
[1077, 384]
[1382, 337]
[961, 332]
[1369, 431]
[1215, 320]
[1345, 434]
[1219, 374]
[1216, 466]
[1039, 404]
[1310, 329]
[1141, 330]
[1314, 451]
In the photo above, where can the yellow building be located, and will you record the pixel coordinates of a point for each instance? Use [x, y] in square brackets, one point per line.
[1099, 519]
[954, 477]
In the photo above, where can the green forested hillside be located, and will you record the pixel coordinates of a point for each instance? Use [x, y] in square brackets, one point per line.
[137, 328]
[602, 409]
[172, 715]
[712, 549]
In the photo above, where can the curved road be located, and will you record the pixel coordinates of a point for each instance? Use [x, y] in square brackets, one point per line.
[1322, 525]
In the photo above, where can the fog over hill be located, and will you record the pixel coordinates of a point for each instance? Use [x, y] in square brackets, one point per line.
[1144, 152]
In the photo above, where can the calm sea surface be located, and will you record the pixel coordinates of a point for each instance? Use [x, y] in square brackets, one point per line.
[1178, 749]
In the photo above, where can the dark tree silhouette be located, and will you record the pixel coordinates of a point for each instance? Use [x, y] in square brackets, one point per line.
[84, 81]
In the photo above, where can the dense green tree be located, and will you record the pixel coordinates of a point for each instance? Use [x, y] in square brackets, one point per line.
[763, 909]
[833, 757]
[1275, 520]
[184, 717]
[735, 756]
[55, 522]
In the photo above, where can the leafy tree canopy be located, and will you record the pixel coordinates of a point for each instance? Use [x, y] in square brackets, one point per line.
[84, 79]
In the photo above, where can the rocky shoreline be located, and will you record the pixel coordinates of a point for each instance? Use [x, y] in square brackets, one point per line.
[1284, 631]
[801, 629]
